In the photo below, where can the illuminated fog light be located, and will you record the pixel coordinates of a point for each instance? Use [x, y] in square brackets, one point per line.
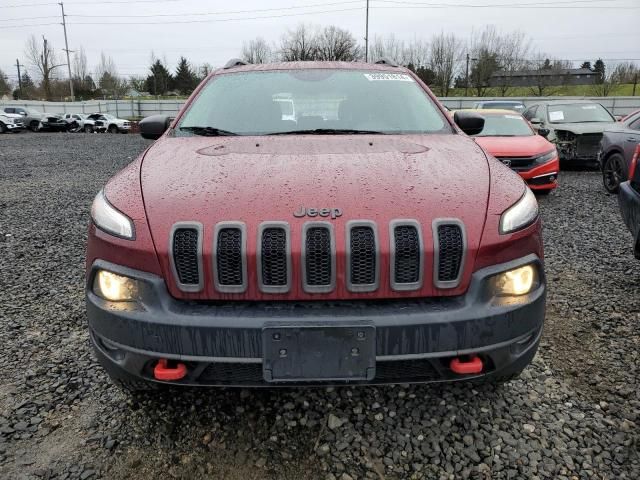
[114, 287]
[518, 281]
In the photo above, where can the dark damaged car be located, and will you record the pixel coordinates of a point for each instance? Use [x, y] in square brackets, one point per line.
[363, 239]
[575, 126]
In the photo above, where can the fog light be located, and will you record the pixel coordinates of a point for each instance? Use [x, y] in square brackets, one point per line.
[114, 287]
[518, 281]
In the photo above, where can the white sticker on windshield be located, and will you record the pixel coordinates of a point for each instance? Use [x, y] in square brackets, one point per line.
[556, 116]
[589, 107]
[514, 117]
[398, 77]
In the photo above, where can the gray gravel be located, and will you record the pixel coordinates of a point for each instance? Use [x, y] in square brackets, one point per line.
[575, 413]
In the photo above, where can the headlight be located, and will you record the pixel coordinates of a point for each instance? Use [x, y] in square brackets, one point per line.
[520, 214]
[114, 287]
[109, 219]
[518, 281]
[547, 156]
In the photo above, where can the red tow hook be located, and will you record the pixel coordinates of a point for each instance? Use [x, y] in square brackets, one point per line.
[472, 365]
[163, 372]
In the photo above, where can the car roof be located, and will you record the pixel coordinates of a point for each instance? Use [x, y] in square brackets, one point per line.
[565, 102]
[492, 111]
[260, 67]
[485, 102]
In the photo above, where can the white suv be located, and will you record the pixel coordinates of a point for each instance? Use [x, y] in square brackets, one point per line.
[104, 121]
[11, 122]
[79, 122]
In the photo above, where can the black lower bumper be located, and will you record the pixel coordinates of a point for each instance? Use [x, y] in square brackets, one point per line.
[223, 344]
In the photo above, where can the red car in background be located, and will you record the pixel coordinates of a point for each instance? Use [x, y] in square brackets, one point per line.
[509, 137]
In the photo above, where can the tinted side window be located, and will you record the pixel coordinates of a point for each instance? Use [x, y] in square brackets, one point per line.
[10, 110]
[530, 112]
[635, 125]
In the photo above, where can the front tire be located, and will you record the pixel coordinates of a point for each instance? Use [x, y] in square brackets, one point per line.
[614, 172]
[113, 129]
[3, 128]
[34, 126]
[88, 129]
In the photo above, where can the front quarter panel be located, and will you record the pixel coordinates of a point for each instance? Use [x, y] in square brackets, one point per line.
[124, 193]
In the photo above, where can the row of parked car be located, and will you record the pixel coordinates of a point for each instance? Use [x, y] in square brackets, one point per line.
[16, 119]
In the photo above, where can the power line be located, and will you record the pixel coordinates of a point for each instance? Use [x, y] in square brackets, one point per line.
[105, 2]
[571, 4]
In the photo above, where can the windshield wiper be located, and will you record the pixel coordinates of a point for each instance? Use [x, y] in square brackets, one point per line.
[328, 131]
[208, 131]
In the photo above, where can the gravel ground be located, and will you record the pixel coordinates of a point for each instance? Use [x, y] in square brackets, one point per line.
[575, 413]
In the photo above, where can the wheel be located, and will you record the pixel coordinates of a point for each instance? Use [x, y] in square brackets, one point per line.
[73, 127]
[88, 129]
[34, 126]
[614, 172]
[113, 129]
[3, 128]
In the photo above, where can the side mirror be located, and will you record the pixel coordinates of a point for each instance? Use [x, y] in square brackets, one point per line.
[544, 132]
[469, 122]
[154, 126]
[536, 121]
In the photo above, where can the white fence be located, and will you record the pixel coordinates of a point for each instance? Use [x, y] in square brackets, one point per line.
[142, 108]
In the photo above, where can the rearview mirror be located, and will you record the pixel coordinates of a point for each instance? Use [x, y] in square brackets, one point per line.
[469, 122]
[154, 126]
[544, 132]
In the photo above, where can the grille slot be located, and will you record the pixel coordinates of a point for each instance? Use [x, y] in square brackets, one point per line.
[185, 256]
[449, 253]
[273, 261]
[319, 261]
[229, 261]
[406, 265]
[362, 257]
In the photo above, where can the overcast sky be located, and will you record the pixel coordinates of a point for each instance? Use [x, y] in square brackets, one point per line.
[566, 29]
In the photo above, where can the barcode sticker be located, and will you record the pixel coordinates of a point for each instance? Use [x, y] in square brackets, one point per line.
[397, 77]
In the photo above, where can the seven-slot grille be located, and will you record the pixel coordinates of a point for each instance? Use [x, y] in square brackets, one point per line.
[449, 254]
[185, 252]
[318, 261]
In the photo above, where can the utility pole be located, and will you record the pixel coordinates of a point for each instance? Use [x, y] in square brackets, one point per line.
[366, 36]
[466, 78]
[19, 78]
[66, 49]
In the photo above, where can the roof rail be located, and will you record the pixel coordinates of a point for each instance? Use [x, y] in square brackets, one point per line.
[234, 62]
[386, 61]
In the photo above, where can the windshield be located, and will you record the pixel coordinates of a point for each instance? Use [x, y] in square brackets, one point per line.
[505, 125]
[579, 112]
[321, 101]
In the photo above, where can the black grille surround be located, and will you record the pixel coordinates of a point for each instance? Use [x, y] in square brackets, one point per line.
[229, 257]
[362, 261]
[449, 241]
[407, 255]
[186, 256]
[318, 257]
[274, 257]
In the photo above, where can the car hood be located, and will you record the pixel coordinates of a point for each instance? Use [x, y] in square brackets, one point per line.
[526, 146]
[582, 128]
[257, 179]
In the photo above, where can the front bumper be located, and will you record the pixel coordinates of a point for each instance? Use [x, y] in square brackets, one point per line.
[14, 127]
[629, 201]
[222, 343]
[542, 177]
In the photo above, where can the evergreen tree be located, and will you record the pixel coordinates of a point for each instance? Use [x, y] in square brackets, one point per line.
[599, 68]
[185, 80]
[586, 65]
[159, 80]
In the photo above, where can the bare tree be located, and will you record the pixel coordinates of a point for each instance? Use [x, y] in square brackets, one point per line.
[485, 49]
[416, 53]
[5, 86]
[514, 49]
[256, 51]
[79, 64]
[299, 45]
[387, 47]
[204, 70]
[545, 72]
[44, 59]
[107, 75]
[445, 53]
[336, 44]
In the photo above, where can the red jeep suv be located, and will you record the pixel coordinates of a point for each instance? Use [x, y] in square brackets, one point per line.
[363, 238]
